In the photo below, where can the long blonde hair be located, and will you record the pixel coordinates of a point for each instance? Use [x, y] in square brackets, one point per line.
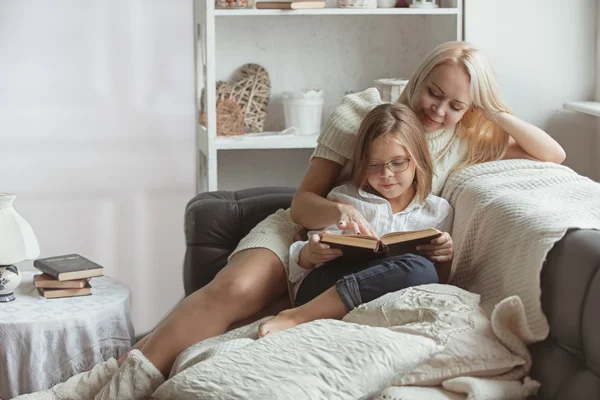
[487, 141]
[401, 124]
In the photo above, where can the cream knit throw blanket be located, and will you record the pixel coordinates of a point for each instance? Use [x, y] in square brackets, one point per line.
[508, 215]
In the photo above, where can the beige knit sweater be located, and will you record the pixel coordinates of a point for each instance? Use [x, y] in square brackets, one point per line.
[336, 142]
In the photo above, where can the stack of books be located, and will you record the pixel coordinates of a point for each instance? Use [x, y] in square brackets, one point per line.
[65, 276]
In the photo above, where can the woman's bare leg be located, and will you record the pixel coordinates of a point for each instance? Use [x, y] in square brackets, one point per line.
[138, 346]
[252, 279]
[328, 305]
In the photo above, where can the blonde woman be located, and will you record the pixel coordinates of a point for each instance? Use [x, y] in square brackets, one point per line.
[391, 188]
[453, 93]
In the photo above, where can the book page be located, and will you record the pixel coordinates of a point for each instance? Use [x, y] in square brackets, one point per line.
[369, 242]
[398, 237]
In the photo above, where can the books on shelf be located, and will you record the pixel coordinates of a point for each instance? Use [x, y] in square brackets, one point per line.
[68, 267]
[290, 5]
[364, 248]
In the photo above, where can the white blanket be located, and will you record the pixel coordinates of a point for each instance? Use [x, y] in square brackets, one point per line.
[426, 335]
[507, 216]
[378, 344]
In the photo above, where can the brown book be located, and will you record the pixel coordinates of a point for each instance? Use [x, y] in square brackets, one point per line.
[365, 248]
[47, 282]
[291, 5]
[68, 267]
[56, 293]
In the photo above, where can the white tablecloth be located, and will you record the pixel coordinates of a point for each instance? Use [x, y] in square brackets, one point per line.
[45, 341]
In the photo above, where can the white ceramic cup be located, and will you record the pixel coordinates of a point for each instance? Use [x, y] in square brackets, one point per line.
[303, 111]
[386, 3]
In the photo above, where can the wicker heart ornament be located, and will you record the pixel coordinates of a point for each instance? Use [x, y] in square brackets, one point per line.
[242, 105]
[252, 90]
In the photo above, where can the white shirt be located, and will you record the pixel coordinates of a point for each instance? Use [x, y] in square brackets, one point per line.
[435, 212]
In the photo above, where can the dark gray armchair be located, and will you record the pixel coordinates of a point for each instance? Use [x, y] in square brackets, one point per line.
[567, 363]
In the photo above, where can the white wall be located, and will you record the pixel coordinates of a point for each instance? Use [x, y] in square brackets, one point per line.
[544, 53]
[97, 135]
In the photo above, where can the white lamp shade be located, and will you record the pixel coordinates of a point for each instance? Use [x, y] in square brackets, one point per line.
[17, 240]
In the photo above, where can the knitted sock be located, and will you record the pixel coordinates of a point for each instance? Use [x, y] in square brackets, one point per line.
[137, 378]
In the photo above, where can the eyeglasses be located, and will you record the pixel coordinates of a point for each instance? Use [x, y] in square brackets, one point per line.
[395, 166]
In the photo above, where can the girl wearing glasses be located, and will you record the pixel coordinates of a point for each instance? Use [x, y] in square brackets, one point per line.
[391, 187]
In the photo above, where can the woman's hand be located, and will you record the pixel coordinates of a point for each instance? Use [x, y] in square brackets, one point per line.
[490, 116]
[439, 250]
[353, 221]
[315, 252]
[526, 140]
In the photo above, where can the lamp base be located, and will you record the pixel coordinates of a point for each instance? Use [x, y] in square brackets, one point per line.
[5, 298]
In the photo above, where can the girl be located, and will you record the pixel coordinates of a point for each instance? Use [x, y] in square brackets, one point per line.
[453, 92]
[391, 185]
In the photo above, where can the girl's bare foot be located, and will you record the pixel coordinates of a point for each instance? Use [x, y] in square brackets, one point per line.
[284, 320]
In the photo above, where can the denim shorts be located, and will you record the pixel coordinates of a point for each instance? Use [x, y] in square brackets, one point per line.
[362, 282]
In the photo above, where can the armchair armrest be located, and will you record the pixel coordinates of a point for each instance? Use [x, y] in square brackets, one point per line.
[215, 222]
[567, 363]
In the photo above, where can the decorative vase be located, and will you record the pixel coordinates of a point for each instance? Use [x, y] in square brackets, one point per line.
[10, 278]
[17, 243]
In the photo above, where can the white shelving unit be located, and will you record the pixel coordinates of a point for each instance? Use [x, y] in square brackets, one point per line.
[280, 23]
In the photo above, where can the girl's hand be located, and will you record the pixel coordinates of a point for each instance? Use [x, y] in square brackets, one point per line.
[315, 252]
[439, 250]
[353, 221]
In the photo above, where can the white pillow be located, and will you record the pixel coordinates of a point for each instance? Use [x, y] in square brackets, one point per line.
[324, 359]
[453, 318]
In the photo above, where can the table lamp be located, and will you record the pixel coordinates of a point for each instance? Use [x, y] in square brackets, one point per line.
[17, 243]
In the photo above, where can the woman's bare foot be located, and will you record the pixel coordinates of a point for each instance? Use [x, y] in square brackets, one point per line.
[284, 320]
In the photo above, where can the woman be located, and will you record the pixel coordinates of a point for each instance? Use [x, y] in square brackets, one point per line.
[455, 96]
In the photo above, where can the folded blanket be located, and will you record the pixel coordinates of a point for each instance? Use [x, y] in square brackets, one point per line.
[507, 216]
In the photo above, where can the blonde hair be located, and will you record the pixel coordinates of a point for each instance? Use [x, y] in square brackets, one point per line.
[401, 124]
[487, 141]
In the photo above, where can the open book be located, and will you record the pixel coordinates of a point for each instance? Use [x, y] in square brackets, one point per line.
[364, 248]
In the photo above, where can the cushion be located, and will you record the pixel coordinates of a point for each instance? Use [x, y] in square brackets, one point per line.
[450, 316]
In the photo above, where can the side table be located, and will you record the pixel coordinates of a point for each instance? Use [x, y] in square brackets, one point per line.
[46, 341]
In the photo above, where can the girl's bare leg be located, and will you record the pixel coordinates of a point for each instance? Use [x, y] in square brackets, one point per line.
[252, 279]
[328, 305]
[274, 308]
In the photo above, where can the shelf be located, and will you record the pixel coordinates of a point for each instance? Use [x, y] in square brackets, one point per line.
[338, 11]
[586, 107]
[268, 140]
